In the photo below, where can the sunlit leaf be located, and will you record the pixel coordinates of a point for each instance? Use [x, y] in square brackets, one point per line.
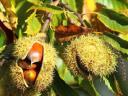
[33, 25]
[89, 7]
[11, 14]
[48, 8]
[124, 36]
[13, 5]
[54, 20]
[73, 18]
[71, 4]
[118, 17]
[36, 2]
[2, 8]
[112, 24]
[116, 42]
[64, 73]
[57, 19]
[114, 4]
[124, 12]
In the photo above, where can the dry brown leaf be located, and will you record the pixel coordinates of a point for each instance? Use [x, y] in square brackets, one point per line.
[66, 33]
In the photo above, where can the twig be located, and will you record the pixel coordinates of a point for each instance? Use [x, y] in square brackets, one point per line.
[46, 23]
[77, 14]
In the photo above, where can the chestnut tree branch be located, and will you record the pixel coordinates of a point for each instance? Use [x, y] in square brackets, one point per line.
[46, 23]
[77, 14]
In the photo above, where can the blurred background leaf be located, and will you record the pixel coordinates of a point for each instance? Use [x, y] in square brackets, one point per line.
[112, 18]
[2, 38]
[71, 4]
[48, 8]
[114, 4]
[61, 88]
[35, 2]
[33, 24]
[116, 42]
[122, 75]
[112, 24]
[64, 73]
[103, 87]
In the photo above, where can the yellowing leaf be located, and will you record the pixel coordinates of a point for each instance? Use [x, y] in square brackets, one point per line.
[90, 4]
[124, 12]
[88, 7]
[33, 25]
[124, 36]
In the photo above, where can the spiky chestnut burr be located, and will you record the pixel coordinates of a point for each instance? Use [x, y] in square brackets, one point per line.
[20, 64]
[90, 54]
[22, 46]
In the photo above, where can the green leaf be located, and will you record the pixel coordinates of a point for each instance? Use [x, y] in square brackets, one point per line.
[2, 38]
[21, 8]
[48, 8]
[88, 87]
[116, 42]
[71, 4]
[51, 36]
[21, 11]
[64, 73]
[124, 36]
[119, 18]
[36, 2]
[61, 88]
[113, 4]
[54, 20]
[79, 5]
[33, 24]
[101, 87]
[112, 24]
[2, 49]
[81, 92]
[107, 83]
[122, 75]
[73, 18]
[112, 82]
[57, 19]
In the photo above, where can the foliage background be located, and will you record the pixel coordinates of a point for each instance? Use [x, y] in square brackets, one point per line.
[106, 17]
